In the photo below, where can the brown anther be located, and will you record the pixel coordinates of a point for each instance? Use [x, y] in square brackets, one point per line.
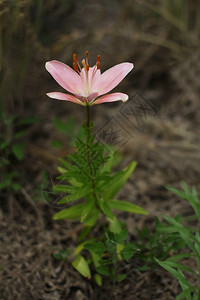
[75, 66]
[86, 55]
[98, 65]
[98, 58]
[87, 67]
[75, 57]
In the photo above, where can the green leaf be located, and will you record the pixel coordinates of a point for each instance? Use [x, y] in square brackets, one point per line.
[184, 294]
[73, 193]
[179, 266]
[105, 209]
[16, 186]
[177, 275]
[70, 213]
[114, 225]
[64, 188]
[197, 247]
[80, 247]
[96, 247]
[121, 277]
[180, 256]
[29, 120]
[18, 151]
[185, 234]
[4, 144]
[126, 206]
[128, 251]
[143, 268]
[5, 183]
[87, 208]
[81, 265]
[98, 279]
[190, 196]
[121, 236]
[103, 270]
[84, 232]
[60, 125]
[62, 254]
[92, 217]
[113, 159]
[19, 134]
[177, 192]
[56, 144]
[96, 259]
[66, 164]
[118, 180]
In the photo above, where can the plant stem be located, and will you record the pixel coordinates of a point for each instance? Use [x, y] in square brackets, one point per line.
[89, 154]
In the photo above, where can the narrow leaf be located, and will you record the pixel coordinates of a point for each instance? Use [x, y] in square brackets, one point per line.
[98, 279]
[72, 212]
[18, 151]
[118, 180]
[106, 209]
[126, 206]
[81, 265]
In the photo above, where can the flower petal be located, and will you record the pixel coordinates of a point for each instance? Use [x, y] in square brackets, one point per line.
[88, 80]
[111, 98]
[65, 76]
[63, 96]
[111, 78]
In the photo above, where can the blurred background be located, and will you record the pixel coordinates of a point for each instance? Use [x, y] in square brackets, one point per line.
[161, 38]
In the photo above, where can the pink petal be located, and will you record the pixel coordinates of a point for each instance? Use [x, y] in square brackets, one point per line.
[111, 78]
[112, 98]
[88, 80]
[65, 76]
[66, 97]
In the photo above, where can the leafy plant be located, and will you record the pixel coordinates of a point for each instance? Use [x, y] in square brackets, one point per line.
[89, 178]
[191, 237]
[12, 146]
[157, 244]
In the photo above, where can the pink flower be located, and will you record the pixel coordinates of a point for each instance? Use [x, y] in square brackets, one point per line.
[87, 84]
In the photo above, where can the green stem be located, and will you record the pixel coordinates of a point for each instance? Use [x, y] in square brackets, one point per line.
[89, 154]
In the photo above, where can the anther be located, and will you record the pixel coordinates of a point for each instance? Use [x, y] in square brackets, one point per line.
[87, 67]
[98, 65]
[75, 57]
[98, 58]
[86, 55]
[75, 66]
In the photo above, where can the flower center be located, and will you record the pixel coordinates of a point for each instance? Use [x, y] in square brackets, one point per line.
[88, 77]
[85, 63]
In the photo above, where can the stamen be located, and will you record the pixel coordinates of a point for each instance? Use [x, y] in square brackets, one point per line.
[98, 65]
[75, 67]
[75, 57]
[86, 57]
[78, 68]
[87, 67]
